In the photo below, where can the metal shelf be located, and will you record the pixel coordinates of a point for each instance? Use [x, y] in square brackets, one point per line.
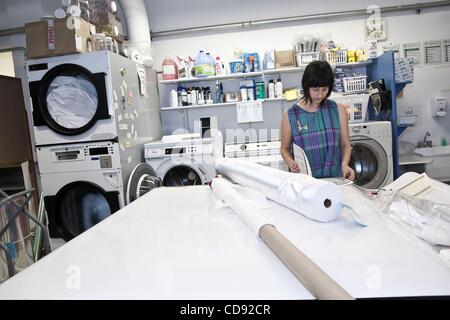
[258, 73]
[215, 105]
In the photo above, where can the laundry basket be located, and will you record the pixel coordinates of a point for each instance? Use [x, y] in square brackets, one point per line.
[336, 57]
[355, 84]
[18, 248]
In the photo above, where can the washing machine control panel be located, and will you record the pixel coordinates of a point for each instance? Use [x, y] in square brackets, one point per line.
[193, 150]
[80, 157]
[371, 129]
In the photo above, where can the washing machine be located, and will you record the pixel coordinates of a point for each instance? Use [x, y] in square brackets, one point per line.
[184, 161]
[263, 152]
[91, 97]
[83, 184]
[371, 158]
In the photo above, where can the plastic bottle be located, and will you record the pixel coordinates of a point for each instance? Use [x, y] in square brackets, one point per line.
[217, 98]
[194, 96]
[252, 63]
[269, 60]
[243, 90]
[260, 91]
[443, 141]
[279, 89]
[219, 67]
[211, 71]
[251, 93]
[173, 98]
[271, 90]
[201, 65]
[184, 101]
[170, 69]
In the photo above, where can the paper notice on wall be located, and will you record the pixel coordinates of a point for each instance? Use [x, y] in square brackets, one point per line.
[119, 117]
[413, 50]
[123, 126]
[132, 128]
[135, 135]
[142, 80]
[115, 95]
[124, 85]
[301, 160]
[129, 159]
[136, 114]
[249, 111]
[122, 147]
[116, 106]
[132, 116]
[129, 136]
[127, 115]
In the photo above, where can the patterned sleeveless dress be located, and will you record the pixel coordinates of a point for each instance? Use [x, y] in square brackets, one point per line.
[318, 133]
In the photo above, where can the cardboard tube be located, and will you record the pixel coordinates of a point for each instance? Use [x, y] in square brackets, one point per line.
[316, 281]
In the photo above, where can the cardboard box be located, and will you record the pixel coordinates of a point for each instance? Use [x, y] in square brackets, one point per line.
[285, 59]
[71, 38]
[104, 18]
[48, 38]
[40, 39]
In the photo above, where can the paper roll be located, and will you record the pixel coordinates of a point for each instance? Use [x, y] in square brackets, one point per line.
[317, 199]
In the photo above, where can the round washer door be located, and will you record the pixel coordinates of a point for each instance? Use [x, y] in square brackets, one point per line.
[181, 173]
[369, 160]
[79, 206]
[142, 180]
[69, 99]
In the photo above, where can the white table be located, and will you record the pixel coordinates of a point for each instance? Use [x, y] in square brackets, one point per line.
[172, 244]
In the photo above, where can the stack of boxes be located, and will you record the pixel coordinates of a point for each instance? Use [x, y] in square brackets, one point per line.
[53, 37]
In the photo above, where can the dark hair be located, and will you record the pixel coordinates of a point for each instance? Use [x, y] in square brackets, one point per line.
[317, 74]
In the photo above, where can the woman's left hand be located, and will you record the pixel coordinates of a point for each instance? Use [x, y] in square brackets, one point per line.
[348, 173]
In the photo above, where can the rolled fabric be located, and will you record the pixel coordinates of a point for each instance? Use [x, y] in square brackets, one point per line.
[315, 280]
[316, 199]
[224, 191]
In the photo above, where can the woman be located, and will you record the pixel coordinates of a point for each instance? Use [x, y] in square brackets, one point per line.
[319, 126]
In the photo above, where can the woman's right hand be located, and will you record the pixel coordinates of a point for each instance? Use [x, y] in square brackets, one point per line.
[293, 167]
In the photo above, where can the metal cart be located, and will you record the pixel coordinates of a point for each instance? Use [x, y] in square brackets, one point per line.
[21, 244]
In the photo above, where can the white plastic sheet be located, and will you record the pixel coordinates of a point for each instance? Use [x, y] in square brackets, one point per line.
[246, 209]
[72, 101]
[316, 199]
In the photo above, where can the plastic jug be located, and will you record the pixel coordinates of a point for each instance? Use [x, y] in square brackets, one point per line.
[170, 69]
[203, 67]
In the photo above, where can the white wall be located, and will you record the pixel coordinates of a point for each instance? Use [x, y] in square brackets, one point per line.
[176, 14]
[6, 64]
[402, 27]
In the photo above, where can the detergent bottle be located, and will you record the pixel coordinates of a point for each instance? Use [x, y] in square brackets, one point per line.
[170, 69]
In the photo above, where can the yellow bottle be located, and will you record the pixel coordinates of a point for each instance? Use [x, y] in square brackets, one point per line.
[351, 56]
[360, 55]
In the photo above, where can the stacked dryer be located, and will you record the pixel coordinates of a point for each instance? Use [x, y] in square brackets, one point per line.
[92, 114]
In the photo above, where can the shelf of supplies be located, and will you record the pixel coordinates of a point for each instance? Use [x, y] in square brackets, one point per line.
[214, 105]
[284, 70]
[257, 73]
[212, 78]
[199, 106]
